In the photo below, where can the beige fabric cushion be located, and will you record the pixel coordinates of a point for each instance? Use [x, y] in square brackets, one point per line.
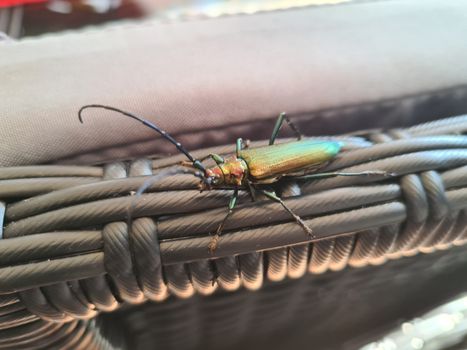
[342, 67]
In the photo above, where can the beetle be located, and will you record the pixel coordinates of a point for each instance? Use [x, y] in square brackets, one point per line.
[252, 168]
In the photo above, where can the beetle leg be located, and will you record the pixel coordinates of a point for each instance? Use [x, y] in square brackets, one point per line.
[238, 147]
[215, 239]
[217, 158]
[241, 144]
[251, 190]
[297, 218]
[334, 174]
[277, 127]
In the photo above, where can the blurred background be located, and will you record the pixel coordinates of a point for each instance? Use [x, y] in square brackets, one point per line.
[25, 18]
[444, 327]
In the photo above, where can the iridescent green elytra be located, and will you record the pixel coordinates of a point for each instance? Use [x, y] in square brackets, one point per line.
[269, 163]
[255, 169]
[285, 158]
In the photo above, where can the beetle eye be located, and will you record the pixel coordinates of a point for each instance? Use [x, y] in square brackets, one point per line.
[214, 176]
[210, 180]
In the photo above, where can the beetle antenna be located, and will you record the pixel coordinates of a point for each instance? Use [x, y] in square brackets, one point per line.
[196, 163]
[152, 179]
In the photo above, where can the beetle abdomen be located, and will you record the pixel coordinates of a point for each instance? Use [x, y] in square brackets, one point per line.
[271, 161]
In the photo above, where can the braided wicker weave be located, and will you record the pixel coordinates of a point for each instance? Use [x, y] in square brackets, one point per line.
[67, 253]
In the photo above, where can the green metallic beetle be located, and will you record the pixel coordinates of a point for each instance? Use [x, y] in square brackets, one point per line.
[251, 169]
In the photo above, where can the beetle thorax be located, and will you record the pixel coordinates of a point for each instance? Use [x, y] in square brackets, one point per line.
[232, 172]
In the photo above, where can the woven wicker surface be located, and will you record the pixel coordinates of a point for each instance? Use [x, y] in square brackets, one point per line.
[335, 310]
[68, 253]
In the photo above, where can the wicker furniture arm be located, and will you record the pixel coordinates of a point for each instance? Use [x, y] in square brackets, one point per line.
[67, 252]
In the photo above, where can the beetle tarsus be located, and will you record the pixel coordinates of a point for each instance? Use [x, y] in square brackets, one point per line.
[305, 227]
[212, 246]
